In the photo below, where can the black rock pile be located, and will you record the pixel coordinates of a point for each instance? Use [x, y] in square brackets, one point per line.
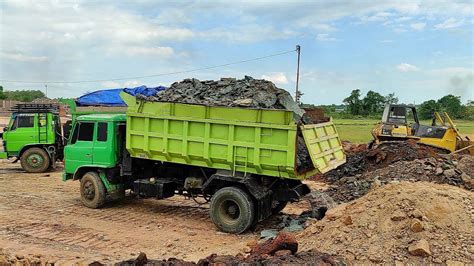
[246, 92]
[446, 169]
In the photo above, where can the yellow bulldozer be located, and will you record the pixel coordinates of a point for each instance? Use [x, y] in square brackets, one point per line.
[400, 122]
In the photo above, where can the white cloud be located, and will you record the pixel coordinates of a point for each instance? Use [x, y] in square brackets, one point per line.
[276, 77]
[405, 67]
[246, 33]
[159, 52]
[449, 24]
[324, 37]
[110, 84]
[322, 27]
[115, 84]
[378, 17]
[23, 58]
[131, 83]
[452, 71]
[418, 26]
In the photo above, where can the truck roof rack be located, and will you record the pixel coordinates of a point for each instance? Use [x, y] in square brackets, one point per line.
[35, 108]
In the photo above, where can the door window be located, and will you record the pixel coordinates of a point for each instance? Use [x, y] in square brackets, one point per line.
[83, 132]
[86, 132]
[102, 131]
[23, 121]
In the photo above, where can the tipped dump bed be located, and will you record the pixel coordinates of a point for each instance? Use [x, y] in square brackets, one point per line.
[257, 141]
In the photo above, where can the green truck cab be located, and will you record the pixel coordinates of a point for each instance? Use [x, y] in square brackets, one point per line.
[243, 161]
[34, 136]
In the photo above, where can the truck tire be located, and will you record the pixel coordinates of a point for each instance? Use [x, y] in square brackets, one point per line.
[278, 206]
[35, 160]
[232, 210]
[92, 190]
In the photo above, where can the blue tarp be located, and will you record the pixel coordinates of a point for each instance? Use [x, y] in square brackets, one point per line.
[111, 97]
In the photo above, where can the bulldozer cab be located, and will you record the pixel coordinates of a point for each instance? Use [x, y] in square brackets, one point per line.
[400, 115]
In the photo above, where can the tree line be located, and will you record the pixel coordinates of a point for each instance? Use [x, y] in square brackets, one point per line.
[372, 104]
[20, 95]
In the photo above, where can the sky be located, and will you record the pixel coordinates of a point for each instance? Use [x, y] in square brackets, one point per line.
[418, 50]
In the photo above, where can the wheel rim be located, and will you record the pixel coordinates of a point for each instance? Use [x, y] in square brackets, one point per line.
[35, 160]
[229, 210]
[89, 190]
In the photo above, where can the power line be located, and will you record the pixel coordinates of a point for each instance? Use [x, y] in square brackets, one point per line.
[150, 76]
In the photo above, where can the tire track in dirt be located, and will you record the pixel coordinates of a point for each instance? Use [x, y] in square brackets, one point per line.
[41, 213]
[72, 237]
[131, 211]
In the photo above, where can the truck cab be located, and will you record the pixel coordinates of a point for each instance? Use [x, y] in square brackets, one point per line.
[95, 142]
[95, 146]
[33, 136]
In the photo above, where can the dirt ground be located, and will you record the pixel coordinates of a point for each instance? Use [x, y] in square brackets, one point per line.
[409, 210]
[40, 214]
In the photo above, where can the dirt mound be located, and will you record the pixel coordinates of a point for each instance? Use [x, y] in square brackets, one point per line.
[277, 251]
[311, 257]
[446, 169]
[7, 258]
[360, 159]
[406, 222]
[351, 148]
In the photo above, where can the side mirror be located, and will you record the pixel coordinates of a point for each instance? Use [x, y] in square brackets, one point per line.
[5, 129]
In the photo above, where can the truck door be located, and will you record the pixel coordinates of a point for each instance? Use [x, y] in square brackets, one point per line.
[21, 132]
[79, 150]
[104, 152]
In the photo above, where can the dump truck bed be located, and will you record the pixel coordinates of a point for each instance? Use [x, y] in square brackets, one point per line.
[256, 141]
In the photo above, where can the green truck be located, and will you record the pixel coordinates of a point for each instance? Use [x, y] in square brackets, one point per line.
[243, 161]
[34, 136]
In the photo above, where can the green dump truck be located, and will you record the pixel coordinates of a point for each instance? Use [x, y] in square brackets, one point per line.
[241, 160]
[34, 136]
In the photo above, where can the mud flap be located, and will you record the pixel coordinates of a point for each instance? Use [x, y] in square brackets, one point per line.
[324, 146]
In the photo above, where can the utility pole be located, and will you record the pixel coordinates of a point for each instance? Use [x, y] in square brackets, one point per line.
[46, 87]
[297, 92]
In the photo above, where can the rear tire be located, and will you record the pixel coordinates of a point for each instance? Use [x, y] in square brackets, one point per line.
[92, 190]
[35, 160]
[232, 210]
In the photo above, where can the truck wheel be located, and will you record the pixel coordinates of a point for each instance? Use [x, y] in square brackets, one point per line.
[278, 206]
[232, 210]
[35, 160]
[92, 190]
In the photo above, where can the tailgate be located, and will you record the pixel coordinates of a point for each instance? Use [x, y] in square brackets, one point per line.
[324, 146]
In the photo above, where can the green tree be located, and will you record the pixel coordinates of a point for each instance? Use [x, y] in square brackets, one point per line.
[427, 108]
[372, 103]
[2, 94]
[24, 95]
[354, 103]
[391, 99]
[452, 105]
[469, 114]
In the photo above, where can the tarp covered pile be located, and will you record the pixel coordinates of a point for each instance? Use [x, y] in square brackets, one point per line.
[111, 97]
